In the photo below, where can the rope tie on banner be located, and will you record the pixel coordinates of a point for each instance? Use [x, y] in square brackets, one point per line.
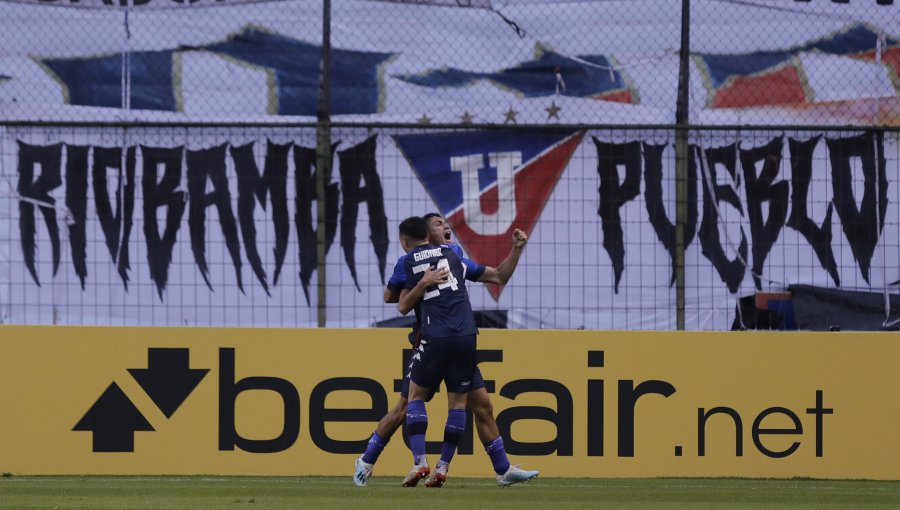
[888, 323]
[610, 69]
[560, 84]
[707, 180]
[708, 184]
[67, 214]
[515, 26]
[737, 162]
[878, 233]
[887, 298]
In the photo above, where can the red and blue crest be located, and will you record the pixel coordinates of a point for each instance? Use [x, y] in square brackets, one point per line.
[489, 183]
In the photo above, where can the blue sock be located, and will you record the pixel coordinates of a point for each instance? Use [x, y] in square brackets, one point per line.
[374, 448]
[456, 424]
[416, 425]
[497, 452]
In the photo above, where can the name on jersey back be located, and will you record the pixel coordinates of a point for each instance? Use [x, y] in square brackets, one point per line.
[427, 254]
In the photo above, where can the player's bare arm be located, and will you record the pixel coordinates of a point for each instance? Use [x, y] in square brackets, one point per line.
[409, 298]
[504, 271]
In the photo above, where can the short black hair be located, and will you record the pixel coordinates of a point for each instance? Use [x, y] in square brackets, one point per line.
[414, 227]
[432, 215]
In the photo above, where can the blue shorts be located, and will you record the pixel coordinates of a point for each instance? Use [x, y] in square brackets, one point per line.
[477, 384]
[450, 359]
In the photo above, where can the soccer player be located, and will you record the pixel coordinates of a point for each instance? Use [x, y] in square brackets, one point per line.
[478, 400]
[446, 351]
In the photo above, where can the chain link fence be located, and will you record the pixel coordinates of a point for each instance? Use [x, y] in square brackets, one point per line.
[753, 62]
[160, 160]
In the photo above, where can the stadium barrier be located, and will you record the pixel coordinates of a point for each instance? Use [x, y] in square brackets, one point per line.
[80, 400]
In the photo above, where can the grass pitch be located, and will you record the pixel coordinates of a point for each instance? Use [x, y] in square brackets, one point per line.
[120, 492]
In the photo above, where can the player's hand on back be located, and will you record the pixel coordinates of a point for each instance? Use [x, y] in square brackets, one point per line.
[434, 276]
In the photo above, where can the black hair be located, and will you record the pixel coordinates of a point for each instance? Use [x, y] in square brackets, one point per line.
[431, 215]
[414, 227]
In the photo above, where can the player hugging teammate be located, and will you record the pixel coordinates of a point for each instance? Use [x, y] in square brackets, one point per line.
[430, 279]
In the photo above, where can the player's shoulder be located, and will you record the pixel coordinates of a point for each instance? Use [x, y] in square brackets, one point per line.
[457, 249]
[450, 253]
[408, 259]
[401, 264]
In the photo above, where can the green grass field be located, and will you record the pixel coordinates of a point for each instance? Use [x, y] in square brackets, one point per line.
[64, 492]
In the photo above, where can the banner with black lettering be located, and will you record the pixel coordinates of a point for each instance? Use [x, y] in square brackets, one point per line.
[289, 402]
[163, 226]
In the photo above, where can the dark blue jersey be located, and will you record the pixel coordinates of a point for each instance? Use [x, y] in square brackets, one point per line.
[397, 281]
[444, 310]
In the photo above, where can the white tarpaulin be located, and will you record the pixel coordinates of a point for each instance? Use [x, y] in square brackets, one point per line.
[173, 223]
[163, 226]
[610, 62]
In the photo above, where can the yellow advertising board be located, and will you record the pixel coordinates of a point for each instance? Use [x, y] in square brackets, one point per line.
[79, 400]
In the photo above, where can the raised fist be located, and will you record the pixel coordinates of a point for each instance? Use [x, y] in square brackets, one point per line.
[519, 238]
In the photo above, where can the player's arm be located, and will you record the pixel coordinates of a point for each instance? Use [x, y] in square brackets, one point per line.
[504, 271]
[396, 282]
[410, 296]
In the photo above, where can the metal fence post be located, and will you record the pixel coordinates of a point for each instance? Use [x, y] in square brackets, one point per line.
[323, 157]
[682, 153]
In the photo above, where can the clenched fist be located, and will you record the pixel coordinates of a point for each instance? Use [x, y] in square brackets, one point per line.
[519, 238]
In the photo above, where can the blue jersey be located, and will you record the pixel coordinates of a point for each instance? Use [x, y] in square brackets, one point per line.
[397, 281]
[444, 310]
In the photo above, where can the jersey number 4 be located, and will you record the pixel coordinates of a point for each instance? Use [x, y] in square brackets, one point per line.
[452, 283]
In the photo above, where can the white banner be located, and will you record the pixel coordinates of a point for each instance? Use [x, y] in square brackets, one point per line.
[538, 63]
[164, 226]
[137, 4]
